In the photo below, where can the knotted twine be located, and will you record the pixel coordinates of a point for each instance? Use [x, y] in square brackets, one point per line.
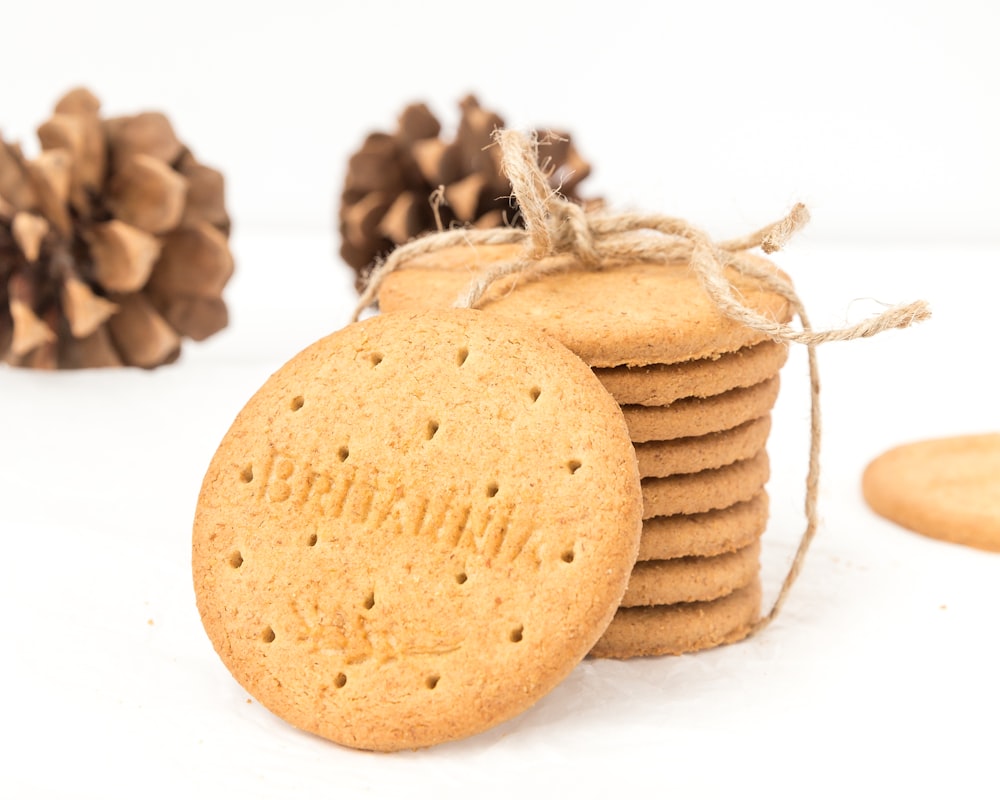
[559, 236]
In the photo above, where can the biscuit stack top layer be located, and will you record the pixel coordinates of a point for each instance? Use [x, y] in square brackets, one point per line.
[634, 315]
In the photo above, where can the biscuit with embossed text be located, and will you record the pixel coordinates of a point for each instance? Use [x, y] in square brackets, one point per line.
[416, 528]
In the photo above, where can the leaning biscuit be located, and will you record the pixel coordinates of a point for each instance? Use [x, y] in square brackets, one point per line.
[680, 628]
[692, 578]
[416, 528]
[711, 489]
[943, 488]
[662, 384]
[630, 314]
[696, 416]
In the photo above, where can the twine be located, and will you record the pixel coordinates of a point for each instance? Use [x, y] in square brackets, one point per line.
[559, 236]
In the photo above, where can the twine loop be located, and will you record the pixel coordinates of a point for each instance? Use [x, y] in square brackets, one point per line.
[559, 235]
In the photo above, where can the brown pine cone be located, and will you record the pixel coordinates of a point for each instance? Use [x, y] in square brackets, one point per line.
[387, 194]
[113, 243]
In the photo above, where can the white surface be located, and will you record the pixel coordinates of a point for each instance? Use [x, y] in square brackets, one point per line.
[882, 668]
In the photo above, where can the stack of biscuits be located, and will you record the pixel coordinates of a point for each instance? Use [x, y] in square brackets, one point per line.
[699, 429]
[696, 389]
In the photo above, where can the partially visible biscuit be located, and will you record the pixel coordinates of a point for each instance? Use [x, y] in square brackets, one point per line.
[711, 489]
[706, 534]
[708, 451]
[696, 416]
[662, 384]
[691, 579]
[634, 314]
[416, 528]
[682, 627]
[943, 488]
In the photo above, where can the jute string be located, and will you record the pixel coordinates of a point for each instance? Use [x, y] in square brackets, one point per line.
[559, 236]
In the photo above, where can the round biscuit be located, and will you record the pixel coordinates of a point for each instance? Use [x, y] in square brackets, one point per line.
[630, 314]
[696, 416]
[709, 533]
[662, 384]
[692, 578]
[416, 528]
[942, 488]
[703, 491]
[680, 628]
[708, 451]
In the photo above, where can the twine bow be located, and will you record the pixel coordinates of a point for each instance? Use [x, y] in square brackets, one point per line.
[559, 236]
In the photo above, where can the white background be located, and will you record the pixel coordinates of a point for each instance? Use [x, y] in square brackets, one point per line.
[882, 116]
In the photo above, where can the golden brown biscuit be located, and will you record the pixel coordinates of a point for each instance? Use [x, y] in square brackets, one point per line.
[698, 492]
[680, 628]
[629, 315]
[691, 579]
[416, 528]
[943, 488]
[708, 451]
[696, 416]
[706, 534]
[662, 384]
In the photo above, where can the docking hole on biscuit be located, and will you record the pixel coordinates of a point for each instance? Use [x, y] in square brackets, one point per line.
[343, 453]
[573, 465]
[370, 601]
[375, 359]
[517, 634]
[268, 635]
[340, 681]
[311, 541]
[236, 560]
[432, 681]
[568, 556]
[461, 578]
[535, 393]
[298, 402]
[463, 353]
[492, 489]
[246, 474]
[432, 429]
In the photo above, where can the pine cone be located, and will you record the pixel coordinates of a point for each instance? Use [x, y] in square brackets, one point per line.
[113, 242]
[387, 195]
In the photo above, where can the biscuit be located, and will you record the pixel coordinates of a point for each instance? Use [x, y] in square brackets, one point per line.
[708, 451]
[703, 491]
[691, 579]
[706, 534]
[633, 314]
[680, 628]
[695, 416]
[662, 384]
[943, 488]
[416, 528]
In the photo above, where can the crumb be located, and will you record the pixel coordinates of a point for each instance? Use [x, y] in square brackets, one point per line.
[249, 701]
[944, 607]
[149, 621]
